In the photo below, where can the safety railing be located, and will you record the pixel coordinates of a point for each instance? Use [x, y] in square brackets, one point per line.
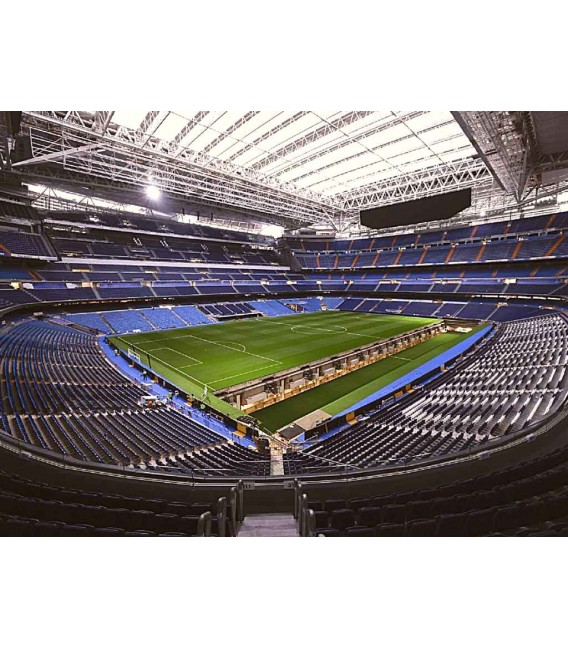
[306, 517]
[204, 524]
[221, 515]
[236, 507]
[301, 511]
[228, 477]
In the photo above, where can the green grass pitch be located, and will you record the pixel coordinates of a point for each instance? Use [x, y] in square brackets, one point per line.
[230, 353]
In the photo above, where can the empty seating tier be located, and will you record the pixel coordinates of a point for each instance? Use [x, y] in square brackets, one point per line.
[514, 382]
[60, 393]
[529, 499]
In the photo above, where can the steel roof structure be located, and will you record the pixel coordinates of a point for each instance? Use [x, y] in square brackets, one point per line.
[295, 168]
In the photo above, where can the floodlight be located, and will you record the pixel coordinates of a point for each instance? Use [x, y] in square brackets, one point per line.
[153, 192]
[270, 230]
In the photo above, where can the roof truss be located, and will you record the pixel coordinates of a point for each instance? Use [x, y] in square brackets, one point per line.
[133, 156]
[293, 168]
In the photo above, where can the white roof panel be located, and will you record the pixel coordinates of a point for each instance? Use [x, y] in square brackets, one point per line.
[385, 136]
[129, 118]
[170, 127]
[329, 152]
[216, 128]
[374, 119]
[247, 133]
[278, 138]
[429, 120]
[304, 153]
[198, 129]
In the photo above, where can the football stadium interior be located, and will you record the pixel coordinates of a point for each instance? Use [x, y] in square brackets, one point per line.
[274, 323]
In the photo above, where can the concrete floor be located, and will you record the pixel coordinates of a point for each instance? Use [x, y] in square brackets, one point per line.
[269, 525]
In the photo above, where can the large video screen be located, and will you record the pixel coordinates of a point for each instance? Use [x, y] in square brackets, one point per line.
[433, 208]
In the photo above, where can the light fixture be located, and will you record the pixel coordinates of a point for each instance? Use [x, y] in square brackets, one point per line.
[153, 192]
[271, 230]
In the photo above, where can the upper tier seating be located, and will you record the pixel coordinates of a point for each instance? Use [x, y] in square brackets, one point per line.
[173, 290]
[152, 224]
[474, 309]
[163, 318]
[160, 248]
[271, 307]
[192, 315]
[10, 274]
[122, 291]
[127, 321]
[472, 271]
[530, 238]
[11, 210]
[44, 294]
[90, 320]
[229, 310]
[484, 231]
[23, 244]
[546, 246]
[11, 296]
[305, 304]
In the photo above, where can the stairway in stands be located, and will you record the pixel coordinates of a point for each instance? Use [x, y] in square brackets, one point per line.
[107, 323]
[272, 525]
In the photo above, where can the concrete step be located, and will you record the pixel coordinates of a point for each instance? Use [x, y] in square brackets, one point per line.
[269, 525]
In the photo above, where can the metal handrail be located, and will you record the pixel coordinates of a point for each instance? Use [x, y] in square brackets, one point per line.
[221, 515]
[307, 518]
[233, 509]
[297, 487]
[302, 511]
[310, 523]
[240, 501]
[8, 443]
[204, 524]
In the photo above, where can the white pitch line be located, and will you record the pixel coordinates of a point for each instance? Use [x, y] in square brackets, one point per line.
[318, 329]
[192, 358]
[293, 329]
[175, 351]
[178, 370]
[402, 358]
[213, 342]
[256, 369]
[243, 351]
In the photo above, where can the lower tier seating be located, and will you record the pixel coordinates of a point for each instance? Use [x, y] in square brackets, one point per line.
[529, 499]
[60, 393]
[515, 381]
[31, 508]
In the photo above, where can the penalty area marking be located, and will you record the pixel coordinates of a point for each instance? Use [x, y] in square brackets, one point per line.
[196, 361]
[242, 351]
[241, 348]
[340, 329]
